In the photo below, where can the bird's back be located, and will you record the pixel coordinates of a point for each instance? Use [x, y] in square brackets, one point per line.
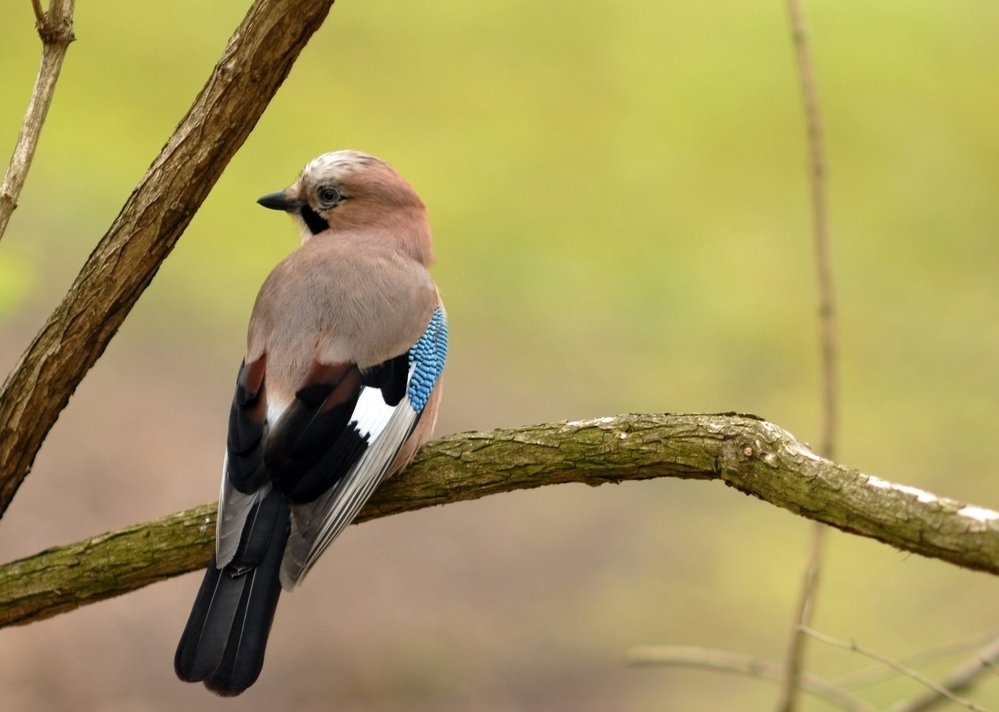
[335, 301]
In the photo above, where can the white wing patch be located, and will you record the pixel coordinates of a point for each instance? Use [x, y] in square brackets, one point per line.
[314, 525]
[372, 413]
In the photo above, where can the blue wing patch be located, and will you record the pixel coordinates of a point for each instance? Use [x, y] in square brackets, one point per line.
[426, 360]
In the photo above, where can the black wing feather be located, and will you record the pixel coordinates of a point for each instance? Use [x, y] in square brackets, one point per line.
[244, 445]
[313, 446]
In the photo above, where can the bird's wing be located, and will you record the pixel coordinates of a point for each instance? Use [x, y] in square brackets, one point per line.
[329, 449]
[383, 420]
[244, 478]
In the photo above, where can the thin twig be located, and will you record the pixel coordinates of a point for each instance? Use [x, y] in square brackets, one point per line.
[820, 231]
[827, 336]
[795, 657]
[36, 5]
[852, 646]
[961, 679]
[56, 30]
[877, 673]
[727, 661]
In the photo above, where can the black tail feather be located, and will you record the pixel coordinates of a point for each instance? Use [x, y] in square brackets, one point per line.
[225, 637]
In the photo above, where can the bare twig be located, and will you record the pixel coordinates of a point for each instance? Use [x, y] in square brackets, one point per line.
[827, 331]
[56, 30]
[743, 452]
[852, 646]
[820, 232]
[726, 661]
[877, 673]
[962, 679]
[795, 657]
[36, 5]
[258, 57]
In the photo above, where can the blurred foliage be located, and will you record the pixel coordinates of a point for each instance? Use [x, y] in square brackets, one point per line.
[620, 205]
[17, 278]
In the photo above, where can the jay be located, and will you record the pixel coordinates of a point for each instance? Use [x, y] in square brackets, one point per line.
[338, 390]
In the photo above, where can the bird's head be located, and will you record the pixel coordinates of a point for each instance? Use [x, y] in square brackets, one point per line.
[350, 190]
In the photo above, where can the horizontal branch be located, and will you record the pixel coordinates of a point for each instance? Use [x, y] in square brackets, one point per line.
[749, 454]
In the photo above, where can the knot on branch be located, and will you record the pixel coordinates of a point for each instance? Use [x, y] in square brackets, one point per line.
[55, 27]
[58, 33]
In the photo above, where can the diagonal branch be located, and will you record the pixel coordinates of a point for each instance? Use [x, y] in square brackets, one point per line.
[726, 661]
[744, 452]
[961, 680]
[876, 674]
[56, 30]
[852, 646]
[258, 57]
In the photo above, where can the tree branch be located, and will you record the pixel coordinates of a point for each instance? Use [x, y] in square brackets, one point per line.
[746, 453]
[894, 665]
[726, 661]
[795, 660]
[255, 62]
[876, 674]
[56, 30]
[962, 679]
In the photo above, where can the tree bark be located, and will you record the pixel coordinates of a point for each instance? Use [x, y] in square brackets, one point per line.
[744, 452]
[258, 57]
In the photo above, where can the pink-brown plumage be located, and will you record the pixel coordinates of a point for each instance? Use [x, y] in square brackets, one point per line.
[338, 389]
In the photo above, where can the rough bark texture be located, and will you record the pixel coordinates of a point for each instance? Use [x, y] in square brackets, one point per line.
[257, 59]
[749, 454]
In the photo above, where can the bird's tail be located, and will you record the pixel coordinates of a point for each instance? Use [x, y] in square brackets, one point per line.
[223, 643]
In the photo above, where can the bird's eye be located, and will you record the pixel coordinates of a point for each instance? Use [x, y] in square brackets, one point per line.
[328, 194]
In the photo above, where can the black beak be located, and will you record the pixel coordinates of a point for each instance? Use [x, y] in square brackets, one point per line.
[280, 201]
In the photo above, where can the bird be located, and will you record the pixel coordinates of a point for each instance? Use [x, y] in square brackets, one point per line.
[338, 389]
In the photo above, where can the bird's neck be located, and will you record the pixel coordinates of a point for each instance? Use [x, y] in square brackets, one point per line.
[405, 230]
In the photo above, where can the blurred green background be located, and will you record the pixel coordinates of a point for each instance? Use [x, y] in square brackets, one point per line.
[619, 198]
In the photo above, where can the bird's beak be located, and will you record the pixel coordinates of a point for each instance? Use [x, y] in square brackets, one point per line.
[280, 201]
